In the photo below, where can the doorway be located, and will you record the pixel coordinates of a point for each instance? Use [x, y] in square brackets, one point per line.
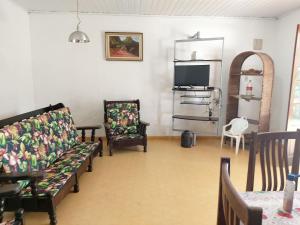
[293, 121]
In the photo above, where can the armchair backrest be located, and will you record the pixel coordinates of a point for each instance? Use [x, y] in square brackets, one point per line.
[34, 143]
[123, 117]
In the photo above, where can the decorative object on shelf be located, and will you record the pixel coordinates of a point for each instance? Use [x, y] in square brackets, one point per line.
[263, 121]
[251, 72]
[124, 46]
[78, 36]
[249, 89]
[238, 126]
[195, 36]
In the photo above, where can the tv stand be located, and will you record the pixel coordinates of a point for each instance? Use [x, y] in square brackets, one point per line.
[194, 88]
[201, 105]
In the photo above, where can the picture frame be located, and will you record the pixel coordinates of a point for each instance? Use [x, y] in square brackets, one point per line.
[124, 46]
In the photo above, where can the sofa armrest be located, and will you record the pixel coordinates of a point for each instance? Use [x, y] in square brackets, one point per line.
[32, 177]
[91, 128]
[9, 190]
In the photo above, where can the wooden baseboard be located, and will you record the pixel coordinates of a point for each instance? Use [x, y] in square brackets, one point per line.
[154, 137]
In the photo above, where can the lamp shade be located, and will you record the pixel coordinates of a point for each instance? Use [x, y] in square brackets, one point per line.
[78, 37]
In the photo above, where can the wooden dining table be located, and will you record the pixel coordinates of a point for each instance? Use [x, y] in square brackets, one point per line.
[271, 203]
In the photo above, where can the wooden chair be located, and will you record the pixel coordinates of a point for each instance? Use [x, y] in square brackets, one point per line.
[274, 159]
[231, 208]
[123, 126]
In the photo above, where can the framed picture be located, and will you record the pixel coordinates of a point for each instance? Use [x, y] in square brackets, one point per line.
[126, 46]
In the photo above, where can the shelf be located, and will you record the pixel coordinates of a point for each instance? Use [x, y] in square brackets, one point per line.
[198, 60]
[257, 75]
[245, 97]
[194, 89]
[254, 122]
[195, 96]
[194, 103]
[197, 118]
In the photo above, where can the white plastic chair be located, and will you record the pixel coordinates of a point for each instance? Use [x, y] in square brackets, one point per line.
[237, 128]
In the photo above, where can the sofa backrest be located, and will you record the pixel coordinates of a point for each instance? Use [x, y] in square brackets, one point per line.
[122, 116]
[33, 144]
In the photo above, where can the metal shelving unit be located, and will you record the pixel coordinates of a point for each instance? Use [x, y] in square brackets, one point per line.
[202, 97]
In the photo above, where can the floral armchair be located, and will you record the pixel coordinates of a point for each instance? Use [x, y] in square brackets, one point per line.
[123, 126]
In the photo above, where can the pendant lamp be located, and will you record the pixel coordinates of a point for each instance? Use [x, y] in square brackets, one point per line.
[78, 36]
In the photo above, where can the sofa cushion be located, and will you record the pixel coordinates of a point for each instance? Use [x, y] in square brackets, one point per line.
[58, 173]
[35, 143]
[123, 118]
[51, 184]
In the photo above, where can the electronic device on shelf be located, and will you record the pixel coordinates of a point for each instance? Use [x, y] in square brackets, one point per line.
[191, 76]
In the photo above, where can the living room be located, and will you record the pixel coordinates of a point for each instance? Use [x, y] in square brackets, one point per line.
[159, 182]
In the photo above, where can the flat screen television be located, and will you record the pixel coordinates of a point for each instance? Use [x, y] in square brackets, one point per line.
[191, 75]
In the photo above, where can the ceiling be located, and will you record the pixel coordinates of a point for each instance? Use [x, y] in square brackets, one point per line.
[230, 8]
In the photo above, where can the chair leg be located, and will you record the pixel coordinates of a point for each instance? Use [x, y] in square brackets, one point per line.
[237, 146]
[145, 144]
[243, 141]
[222, 139]
[100, 147]
[231, 142]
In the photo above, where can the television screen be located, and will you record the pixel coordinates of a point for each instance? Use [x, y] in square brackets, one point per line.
[191, 75]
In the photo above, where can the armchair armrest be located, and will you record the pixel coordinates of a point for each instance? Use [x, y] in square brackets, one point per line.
[144, 123]
[142, 127]
[92, 128]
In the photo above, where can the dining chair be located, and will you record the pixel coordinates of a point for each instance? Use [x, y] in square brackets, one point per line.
[237, 128]
[232, 210]
[275, 160]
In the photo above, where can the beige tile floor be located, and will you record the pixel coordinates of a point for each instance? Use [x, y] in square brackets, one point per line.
[169, 185]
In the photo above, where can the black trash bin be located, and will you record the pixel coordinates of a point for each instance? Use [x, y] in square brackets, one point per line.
[187, 139]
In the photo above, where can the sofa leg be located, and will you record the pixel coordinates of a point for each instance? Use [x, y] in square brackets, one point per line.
[1, 209]
[52, 215]
[145, 148]
[76, 188]
[76, 185]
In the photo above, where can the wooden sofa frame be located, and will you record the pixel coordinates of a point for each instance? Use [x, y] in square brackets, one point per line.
[45, 203]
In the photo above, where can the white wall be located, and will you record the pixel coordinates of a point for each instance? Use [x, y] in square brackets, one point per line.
[285, 38]
[15, 61]
[80, 77]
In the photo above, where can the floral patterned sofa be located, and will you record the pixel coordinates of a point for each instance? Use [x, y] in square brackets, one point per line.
[44, 155]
